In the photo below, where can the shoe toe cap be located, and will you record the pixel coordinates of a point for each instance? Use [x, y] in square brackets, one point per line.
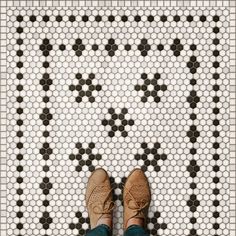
[99, 176]
[137, 175]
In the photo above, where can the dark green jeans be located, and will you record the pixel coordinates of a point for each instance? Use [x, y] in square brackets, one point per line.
[104, 230]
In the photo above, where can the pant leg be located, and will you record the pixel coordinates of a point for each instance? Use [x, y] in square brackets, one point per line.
[135, 230]
[100, 230]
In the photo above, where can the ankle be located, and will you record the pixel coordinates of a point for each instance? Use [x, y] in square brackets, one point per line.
[135, 221]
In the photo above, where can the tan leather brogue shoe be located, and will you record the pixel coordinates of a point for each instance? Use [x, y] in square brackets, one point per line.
[136, 196]
[99, 197]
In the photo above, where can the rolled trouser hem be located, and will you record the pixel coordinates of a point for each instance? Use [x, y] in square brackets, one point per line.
[135, 230]
[100, 230]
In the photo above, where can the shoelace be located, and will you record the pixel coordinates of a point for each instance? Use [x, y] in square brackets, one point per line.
[103, 208]
[139, 206]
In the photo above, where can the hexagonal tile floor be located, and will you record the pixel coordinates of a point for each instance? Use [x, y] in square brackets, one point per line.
[118, 88]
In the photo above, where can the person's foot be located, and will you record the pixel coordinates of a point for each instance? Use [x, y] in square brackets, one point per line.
[137, 198]
[99, 199]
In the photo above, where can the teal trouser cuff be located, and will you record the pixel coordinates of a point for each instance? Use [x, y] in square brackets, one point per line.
[135, 230]
[104, 230]
[100, 230]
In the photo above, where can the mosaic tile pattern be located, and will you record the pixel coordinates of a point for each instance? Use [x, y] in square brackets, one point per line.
[118, 88]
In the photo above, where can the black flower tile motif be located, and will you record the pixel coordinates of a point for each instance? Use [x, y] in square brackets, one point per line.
[85, 156]
[117, 122]
[80, 222]
[150, 87]
[85, 87]
[151, 156]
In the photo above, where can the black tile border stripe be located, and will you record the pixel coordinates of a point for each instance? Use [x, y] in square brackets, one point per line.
[19, 145]
[124, 18]
[215, 134]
